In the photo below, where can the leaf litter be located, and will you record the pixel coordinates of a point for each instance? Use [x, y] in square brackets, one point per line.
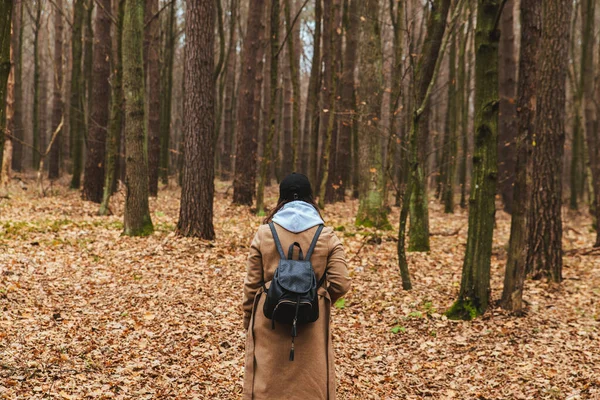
[88, 313]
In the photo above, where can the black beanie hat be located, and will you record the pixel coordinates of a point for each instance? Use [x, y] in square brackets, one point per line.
[294, 187]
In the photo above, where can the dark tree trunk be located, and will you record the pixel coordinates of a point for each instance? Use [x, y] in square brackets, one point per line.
[347, 103]
[166, 84]
[76, 112]
[137, 213]
[36, 85]
[57, 99]
[419, 212]
[17, 43]
[196, 212]
[531, 25]
[311, 118]
[371, 212]
[507, 122]
[153, 94]
[5, 41]
[230, 75]
[545, 246]
[113, 138]
[474, 293]
[96, 143]
[247, 127]
[450, 142]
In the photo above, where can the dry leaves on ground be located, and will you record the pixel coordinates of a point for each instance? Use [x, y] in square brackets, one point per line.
[88, 313]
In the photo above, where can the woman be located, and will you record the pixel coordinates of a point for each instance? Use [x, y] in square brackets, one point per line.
[269, 373]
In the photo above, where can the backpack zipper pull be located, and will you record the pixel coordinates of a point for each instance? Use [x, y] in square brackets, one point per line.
[292, 351]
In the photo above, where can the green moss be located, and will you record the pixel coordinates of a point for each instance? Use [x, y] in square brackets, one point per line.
[146, 229]
[463, 310]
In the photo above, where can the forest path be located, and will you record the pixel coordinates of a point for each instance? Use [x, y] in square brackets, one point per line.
[86, 312]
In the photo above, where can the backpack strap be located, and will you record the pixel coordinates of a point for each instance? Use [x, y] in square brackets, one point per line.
[291, 251]
[277, 242]
[314, 243]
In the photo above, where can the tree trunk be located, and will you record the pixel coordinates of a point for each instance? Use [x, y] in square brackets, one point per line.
[271, 120]
[167, 95]
[531, 25]
[294, 64]
[17, 44]
[370, 92]
[450, 145]
[36, 84]
[327, 119]
[545, 232]
[197, 191]
[96, 143]
[464, 85]
[419, 212]
[507, 122]
[153, 95]
[230, 75]
[347, 94]
[57, 100]
[287, 154]
[7, 121]
[247, 127]
[76, 113]
[591, 117]
[113, 138]
[474, 293]
[311, 119]
[5, 65]
[137, 213]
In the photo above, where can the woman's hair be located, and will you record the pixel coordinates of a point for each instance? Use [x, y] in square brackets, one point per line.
[281, 203]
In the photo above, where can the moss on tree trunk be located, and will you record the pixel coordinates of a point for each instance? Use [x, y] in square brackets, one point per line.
[475, 284]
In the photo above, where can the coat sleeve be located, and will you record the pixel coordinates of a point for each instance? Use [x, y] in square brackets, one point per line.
[337, 269]
[253, 279]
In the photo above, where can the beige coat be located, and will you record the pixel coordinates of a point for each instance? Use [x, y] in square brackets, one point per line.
[269, 375]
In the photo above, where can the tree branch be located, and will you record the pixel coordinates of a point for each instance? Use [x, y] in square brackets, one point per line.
[291, 27]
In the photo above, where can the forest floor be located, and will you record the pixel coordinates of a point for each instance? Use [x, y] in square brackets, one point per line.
[88, 313]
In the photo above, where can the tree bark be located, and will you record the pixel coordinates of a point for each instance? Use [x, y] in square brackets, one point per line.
[37, 16]
[312, 116]
[76, 112]
[137, 213]
[474, 293]
[17, 44]
[531, 25]
[545, 232]
[419, 212]
[99, 113]
[5, 65]
[57, 100]
[153, 94]
[196, 211]
[450, 143]
[294, 64]
[113, 137]
[507, 122]
[230, 78]
[370, 93]
[167, 95]
[247, 127]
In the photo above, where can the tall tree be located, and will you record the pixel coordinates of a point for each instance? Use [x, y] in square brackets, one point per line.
[76, 112]
[17, 44]
[113, 137]
[36, 15]
[311, 118]
[230, 78]
[247, 127]
[57, 99]
[424, 73]
[370, 93]
[166, 90]
[7, 121]
[473, 298]
[196, 211]
[294, 64]
[5, 65]
[531, 28]
[153, 93]
[507, 122]
[271, 121]
[327, 101]
[137, 213]
[593, 138]
[99, 113]
[545, 232]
